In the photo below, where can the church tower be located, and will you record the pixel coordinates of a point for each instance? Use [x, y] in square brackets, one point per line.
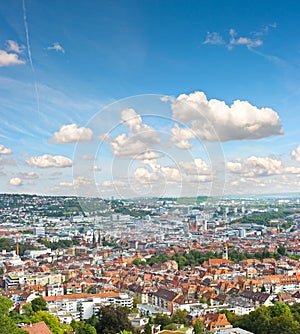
[225, 252]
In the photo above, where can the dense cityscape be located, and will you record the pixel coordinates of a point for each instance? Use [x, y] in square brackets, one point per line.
[149, 167]
[197, 259]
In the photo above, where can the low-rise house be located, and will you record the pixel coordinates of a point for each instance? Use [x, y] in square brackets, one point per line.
[55, 290]
[37, 328]
[257, 298]
[165, 299]
[215, 322]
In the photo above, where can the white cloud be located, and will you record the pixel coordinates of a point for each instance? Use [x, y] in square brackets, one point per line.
[78, 182]
[88, 157]
[144, 176]
[114, 183]
[71, 134]
[256, 167]
[193, 171]
[5, 150]
[126, 147]
[15, 181]
[171, 174]
[29, 175]
[296, 154]
[181, 136]
[132, 119]
[9, 59]
[140, 139]
[96, 168]
[14, 46]
[148, 155]
[7, 161]
[213, 38]
[249, 182]
[195, 167]
[134, 122]
[49, 161]
[252, 41]
[57, 47]
[66, 184]
[213, 120]
[234, 167]
[82, 181]
[247, 41]
[152, 163]
[276, 184]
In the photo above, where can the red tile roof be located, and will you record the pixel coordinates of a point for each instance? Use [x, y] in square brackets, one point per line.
[38, 328]
[82, 295]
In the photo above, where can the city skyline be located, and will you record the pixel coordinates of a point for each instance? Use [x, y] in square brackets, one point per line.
[149, 98]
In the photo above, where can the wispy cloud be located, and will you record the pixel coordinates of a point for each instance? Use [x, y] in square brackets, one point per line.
[265, 29]
[214, 38]
[250, 41]
[57, 47]
[36, 89]
[27, 35]
[14, 46]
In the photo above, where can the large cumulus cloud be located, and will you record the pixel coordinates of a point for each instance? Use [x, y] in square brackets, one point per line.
[71, 133]
[49, 161]
[257, 166]
[139, 142]
[213, 120]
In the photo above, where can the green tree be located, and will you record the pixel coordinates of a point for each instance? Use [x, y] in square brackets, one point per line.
[281, 250]
[51, 321]
[257, 321]
[295, 309]
[8, 326]
[162, 319]
[171, 327]
[112, 320]
[93, 320]
[135, 302]
[5, 244]
[81, 327]
[19, 318]
[284, 324]
[5, 305]
[279, 309]
[39, 304]
[147, 329]
[27, 309]
[138, 261]
[198, 327]
[179, 317]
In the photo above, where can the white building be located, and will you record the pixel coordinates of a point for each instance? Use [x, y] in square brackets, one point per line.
[84, 304]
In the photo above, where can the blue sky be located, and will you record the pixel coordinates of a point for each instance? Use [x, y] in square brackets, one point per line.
[62, 63]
